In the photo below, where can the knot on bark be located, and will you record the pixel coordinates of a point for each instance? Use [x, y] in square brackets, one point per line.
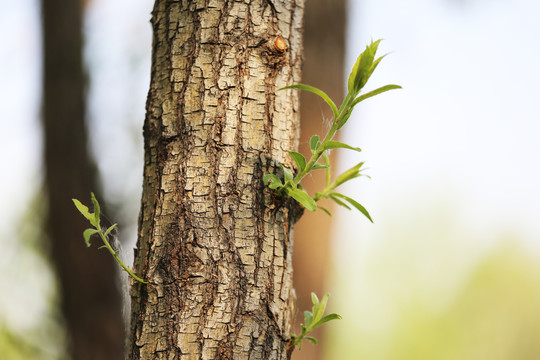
[275, 52]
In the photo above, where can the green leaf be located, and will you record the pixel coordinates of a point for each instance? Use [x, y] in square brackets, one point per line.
[328, 318]
[287, 174]
[350, 174]
[339, 202]
[308, 316]
[87, 233]
[314, 299]
[354, 73]
[325, 210]
[375, 92]
[272, 181]
[303, 198]
[336, 145]
[374, 65]
[320, 309]
[312, 339]
[96, 211]
[83, 210]
[355, 204]
[362, 69]
[110, 229]
[314, 143]
[299, 159]
[346, 117]
[316, 91]
[320, 166]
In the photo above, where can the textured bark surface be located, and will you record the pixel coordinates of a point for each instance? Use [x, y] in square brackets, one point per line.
[213, 242]
[324, 57]
[90, 300]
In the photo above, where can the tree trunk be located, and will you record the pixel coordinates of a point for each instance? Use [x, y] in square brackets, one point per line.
[214, 243]
[90, 300]
[324, 50]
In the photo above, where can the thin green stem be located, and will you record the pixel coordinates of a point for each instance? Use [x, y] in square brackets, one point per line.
[345, 107]
[327, 170]
[115, 254]
[328, 189]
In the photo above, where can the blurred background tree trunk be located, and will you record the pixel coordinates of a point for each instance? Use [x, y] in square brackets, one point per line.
[324, 57]
[90, 300]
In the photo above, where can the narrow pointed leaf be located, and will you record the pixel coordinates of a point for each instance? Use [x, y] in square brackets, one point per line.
[83, 209]
[308, 316]
[299, 159]
[312, 339]
[96, 211]
[374, 65]
[328, 318]
[316, 91]
[110, 229]
[362, 68]
[350, 174]
[303, 198]
[346, 117]
[325, 210]
[314, 299]
[87, 233]
[352, 75]
[314, 143]
[287, 174]
[320, 309]
[320, 166]
[272, 181]
[355, 204]
[336, 145]
[349, 177]
[375, 92]
[339, 201]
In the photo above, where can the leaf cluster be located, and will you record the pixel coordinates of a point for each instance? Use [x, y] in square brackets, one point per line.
[313, 319]
[94, 219]
[362, 70]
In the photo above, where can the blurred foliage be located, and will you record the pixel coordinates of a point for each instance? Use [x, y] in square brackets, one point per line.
[39, 343]
[15, 347]
[494, 314]
[30, 324]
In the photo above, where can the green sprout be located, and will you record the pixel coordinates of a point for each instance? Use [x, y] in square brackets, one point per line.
[360, 74]
[313, 319]
[94, 219]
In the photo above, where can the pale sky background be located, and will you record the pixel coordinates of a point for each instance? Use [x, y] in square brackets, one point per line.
[467, 123]
[463, 136]
[452, 156]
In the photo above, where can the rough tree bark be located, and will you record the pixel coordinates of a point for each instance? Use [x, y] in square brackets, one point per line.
[90, 300]
[213, 242]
